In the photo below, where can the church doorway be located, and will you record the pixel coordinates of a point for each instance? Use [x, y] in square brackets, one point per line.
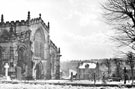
[39, 70]
[22, 63]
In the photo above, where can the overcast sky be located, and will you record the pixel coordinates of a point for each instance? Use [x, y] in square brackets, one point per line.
[76, 26]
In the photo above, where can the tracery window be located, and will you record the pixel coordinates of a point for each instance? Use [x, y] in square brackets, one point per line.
[6, 53]
[39, 45]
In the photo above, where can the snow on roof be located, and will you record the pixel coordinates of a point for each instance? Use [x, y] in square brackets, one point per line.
[91, 65]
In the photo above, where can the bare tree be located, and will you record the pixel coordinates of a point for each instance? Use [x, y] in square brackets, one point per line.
[97, 70]
[130, 62]
[107, 62]
[118, 64]
[121, 14]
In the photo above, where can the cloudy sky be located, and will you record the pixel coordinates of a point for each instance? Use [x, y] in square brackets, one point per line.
[76, 26]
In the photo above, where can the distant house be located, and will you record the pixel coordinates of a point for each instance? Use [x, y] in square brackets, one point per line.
[72, 71]
[86, 70]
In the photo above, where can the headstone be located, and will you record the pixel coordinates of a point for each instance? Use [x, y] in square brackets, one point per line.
[125, 75]
[71, 78]
[19, 75]
[6, 69]
[94, 76]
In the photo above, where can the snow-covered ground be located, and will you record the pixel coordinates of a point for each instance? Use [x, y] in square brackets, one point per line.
[75, 81]
[47, 86]
[21, 85]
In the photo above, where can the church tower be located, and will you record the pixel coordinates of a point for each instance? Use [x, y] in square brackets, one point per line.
[25, 46]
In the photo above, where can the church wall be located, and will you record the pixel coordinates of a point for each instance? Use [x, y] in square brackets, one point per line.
[21, 29]
[5, 28]
[53, 54]
[55, 63]
[38, 28]
[6, 51]
[34, 28]
[18, 28]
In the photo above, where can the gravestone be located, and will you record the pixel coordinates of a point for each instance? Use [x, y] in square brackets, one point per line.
[19, 75]
[71, 78]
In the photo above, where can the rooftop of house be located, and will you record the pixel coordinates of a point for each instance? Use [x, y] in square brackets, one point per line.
[87, 65]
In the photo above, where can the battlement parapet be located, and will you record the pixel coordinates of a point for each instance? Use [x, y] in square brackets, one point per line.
[13, 23]
[27, 22]
[53, 45]
[23, 23]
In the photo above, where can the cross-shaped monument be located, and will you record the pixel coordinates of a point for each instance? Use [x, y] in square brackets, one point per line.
[6, 71]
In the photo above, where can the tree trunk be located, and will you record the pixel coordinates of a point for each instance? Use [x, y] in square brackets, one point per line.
[109, 71]
[118, 70]
[132, 74]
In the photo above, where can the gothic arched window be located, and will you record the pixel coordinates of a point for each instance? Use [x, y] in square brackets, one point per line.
[39, 44]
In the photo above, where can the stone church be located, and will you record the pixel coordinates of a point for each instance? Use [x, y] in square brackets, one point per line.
[27, 48]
